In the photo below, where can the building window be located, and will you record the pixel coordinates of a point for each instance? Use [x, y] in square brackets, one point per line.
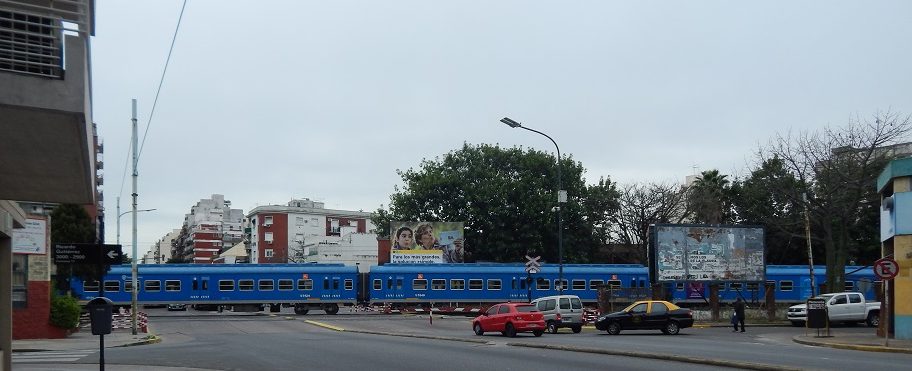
[267, 221]
[267, 237]
[269, 253]
[299, 220]
[31, 44]
[20, 280]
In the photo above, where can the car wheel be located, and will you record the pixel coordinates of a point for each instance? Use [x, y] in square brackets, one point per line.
[671, 328]
[510, 331]
[614, 328]
[537, 333]
[478, 330]
[552, 327]
[577, 329]
[873, 320]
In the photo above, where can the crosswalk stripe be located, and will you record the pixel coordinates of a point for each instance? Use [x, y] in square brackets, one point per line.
[51, 356]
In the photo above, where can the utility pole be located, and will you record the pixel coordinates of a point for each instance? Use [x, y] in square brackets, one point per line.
[807, 232]
[135, 176]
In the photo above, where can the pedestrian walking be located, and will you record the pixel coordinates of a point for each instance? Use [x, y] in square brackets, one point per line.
[738, 316]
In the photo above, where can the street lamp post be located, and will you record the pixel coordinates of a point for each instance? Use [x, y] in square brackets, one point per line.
[125, 213]
[561, 198]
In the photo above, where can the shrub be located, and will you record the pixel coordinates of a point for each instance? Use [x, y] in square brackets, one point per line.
[65, 312]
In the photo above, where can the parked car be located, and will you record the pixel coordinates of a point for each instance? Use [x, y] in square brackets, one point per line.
[510, 318]
[177, 306]
[561, 311]
[647, 315]
[843, 307]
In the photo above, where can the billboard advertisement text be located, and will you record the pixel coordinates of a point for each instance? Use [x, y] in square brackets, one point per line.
[427, 242]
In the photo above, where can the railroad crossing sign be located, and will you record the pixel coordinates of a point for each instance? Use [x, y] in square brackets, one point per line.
[886, 268]
[87, 253]
[532, 264]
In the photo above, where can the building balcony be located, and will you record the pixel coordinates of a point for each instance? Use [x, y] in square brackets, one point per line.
[47, 145]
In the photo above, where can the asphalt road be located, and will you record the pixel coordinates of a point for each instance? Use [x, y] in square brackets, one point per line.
[227, 341]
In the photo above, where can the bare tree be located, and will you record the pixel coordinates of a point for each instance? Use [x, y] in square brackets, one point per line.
[297, 252]
[642, 205]
[841, 166]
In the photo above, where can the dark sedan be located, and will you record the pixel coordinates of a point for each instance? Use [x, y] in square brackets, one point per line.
[647, 315]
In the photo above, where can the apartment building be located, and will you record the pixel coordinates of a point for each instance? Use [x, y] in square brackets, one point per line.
[305, 231]
[210, 227]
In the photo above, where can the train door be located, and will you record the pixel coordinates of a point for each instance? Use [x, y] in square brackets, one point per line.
[199, 289]
[520, 289]
[332, 294]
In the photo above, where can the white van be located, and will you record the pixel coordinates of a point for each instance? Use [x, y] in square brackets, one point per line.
[561, 311]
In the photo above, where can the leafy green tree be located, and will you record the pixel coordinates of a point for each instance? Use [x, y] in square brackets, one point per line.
[710, 198]
[72, 224]
[771, 197]
[506, 197]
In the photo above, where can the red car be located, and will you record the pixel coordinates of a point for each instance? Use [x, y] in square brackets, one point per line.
[510, 318]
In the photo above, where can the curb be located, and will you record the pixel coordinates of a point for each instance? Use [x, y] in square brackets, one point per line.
[867, 348]
[325, 325]
[151, 339]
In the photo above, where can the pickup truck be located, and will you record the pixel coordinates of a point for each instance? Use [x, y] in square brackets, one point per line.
[845, 307]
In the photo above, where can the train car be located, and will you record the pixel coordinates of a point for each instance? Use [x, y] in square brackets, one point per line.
[443, 284]
[791, 282]
[303, 286]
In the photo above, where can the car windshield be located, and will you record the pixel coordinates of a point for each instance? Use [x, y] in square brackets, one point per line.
[526, 308]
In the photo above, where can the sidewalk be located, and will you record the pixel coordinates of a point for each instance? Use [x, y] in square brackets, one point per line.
[865, 342]
[84, 340]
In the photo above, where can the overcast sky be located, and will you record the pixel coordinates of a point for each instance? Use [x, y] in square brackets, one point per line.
[265, 101]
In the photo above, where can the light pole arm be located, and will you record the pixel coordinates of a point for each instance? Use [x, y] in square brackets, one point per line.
[559, 184]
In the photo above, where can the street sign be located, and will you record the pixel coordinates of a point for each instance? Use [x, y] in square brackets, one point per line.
[87, 253]
[532, 264]
[886, 268]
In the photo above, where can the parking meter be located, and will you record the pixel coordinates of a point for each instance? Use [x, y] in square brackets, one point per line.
[101, 315]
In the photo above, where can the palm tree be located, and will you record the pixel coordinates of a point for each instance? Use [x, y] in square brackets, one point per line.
[710, 199]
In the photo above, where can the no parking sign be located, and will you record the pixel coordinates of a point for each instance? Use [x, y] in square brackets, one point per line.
[886, 268]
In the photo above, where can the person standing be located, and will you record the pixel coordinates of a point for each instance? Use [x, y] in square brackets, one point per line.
[739, 313]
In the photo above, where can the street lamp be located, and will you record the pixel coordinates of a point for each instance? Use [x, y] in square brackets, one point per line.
[561, 198]
[125, 213]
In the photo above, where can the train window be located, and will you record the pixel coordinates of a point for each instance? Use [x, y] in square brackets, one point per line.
[753, 286]
[266, 285]
[438, 284]
[594, 284]
[172, 285]
[245, 285]
[558, 284]
[90, 286]
[614, 284]
[349, 284]
[226, 285]
[457, 284]
[286, 285]
[579, 284]
[195, 284]
[398, 284]
[128, 286]
[305, 284]
[735, 286]
[152, 286]
[679, 286]
[786, 285]
[849, 286]
[326, 284]
[419, 284]
[513, 284]
[522, 284]
[336, 284]
[633, 282]
[389, 284]
[205, 284]
[542, 284]
[493, 284]
[642, 283]
[378, 284]
[476, 284]
[112, 286]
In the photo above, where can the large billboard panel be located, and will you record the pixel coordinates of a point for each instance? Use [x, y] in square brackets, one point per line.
[682, 252]
[427, 242]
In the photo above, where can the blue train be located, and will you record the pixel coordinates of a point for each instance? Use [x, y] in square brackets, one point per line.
[329, 286]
